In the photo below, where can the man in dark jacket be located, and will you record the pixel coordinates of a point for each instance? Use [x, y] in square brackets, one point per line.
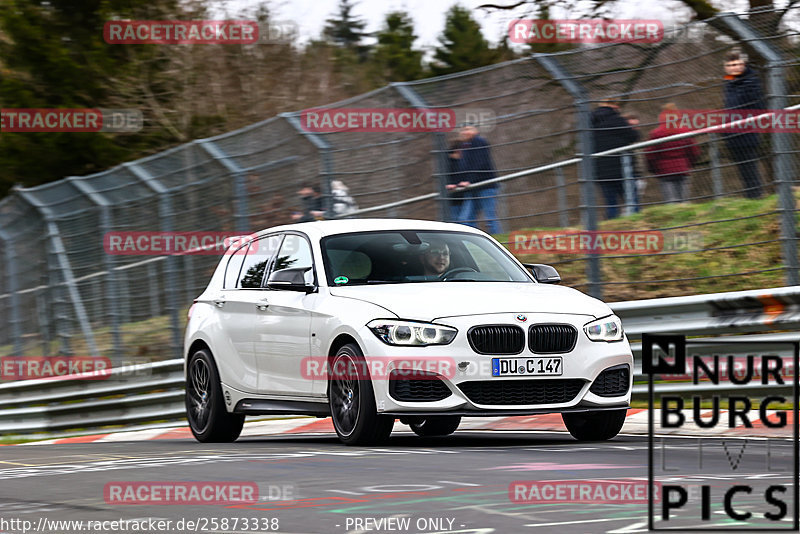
[743, 91]
[476, 167]
[454, 176]
[611, 130]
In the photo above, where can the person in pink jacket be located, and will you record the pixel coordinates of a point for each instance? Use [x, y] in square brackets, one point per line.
[672, 161]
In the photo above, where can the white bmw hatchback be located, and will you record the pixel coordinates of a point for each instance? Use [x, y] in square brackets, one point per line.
[368, 321]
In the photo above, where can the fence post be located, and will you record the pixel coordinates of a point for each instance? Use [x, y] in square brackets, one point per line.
[629, 184]
[112, 293]
[716, 171]
[324, 148]
[781, 143]
[60, 265]
[439, 149]
[165, 215]
[563, 213]
[10, 257]
[586, 175]
[241, 215]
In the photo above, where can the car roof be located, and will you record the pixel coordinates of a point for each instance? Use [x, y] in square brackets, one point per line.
[321, 229]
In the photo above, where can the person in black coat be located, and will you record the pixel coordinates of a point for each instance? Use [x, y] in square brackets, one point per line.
[743, 91]
[455, 175]
[611, 130]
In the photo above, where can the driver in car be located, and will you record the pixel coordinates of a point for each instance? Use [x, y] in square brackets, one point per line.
[436, 259]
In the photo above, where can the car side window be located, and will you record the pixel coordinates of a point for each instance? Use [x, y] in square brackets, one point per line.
[255, 263]
[295, 252]
[234, 266]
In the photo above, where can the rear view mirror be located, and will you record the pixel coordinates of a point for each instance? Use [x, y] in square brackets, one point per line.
[544, 274]
[290, 280]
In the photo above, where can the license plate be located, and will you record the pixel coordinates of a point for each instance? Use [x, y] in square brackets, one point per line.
[526, 366]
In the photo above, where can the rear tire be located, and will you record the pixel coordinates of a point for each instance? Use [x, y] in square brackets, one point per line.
[208, 419]
[352, 400]
[594, 426]
[442, 425]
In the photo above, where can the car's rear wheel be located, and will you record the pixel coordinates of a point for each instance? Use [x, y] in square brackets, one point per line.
[442, 425]
[208, 419]
[352, 400]
[594, 426]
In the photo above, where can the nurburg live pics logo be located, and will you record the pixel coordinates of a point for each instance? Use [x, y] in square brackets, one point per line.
[754, 484]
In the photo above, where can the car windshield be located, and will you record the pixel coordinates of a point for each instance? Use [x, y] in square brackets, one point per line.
[409, 256]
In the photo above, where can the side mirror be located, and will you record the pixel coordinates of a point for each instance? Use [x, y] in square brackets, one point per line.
[544, 274]
[290, 280]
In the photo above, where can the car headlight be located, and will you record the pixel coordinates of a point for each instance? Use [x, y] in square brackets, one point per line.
[408, 333]
[605, 329]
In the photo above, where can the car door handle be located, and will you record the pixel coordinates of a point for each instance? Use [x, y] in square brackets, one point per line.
[262, 305]
[219, 303]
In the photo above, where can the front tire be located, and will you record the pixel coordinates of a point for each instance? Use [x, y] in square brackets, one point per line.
[442, 425]
[594, 426]
[208, 419]
[352, 400]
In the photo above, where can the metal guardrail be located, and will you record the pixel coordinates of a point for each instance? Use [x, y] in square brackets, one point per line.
[154, 392]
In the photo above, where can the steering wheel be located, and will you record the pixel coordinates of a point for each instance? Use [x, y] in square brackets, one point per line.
[457, 270]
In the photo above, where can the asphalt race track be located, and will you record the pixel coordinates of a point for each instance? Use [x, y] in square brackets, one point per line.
[313, 484]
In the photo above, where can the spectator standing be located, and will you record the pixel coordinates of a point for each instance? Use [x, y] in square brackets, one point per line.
[672, 161]
[743, 91]
[611, 130]
[342, 203]
[635, 181]
[476, 167]
[311, 200]
[454, 176]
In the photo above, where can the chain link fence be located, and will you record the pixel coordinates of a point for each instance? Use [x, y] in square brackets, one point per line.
[61, 293]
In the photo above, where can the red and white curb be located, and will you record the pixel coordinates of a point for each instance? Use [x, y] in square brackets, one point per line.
[636, 423]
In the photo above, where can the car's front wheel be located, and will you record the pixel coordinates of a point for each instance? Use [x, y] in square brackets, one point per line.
[352, 400]
[594, 426]
[208, 419]
[442, 425]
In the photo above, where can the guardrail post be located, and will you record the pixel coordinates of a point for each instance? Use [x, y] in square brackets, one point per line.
[781, 142]
[586, 174]
[165, 215]
[10, 257]
[439, 149]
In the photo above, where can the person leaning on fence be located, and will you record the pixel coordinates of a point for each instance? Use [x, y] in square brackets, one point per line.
[311, 200]
[672, 161]
[743, 91]
[454, 176]
[477, 166]
[611, 130]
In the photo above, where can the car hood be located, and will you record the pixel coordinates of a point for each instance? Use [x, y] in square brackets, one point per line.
[433, 300]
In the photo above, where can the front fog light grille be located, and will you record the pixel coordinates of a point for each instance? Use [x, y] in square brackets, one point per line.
[613, 382]
[428, 389]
